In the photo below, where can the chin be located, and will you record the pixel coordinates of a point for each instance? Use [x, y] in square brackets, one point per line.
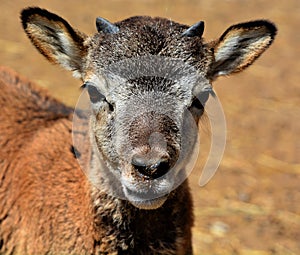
[147, 198]
[150, 204]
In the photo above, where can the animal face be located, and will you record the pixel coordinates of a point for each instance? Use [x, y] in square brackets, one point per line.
[145, 124]
[148, 80]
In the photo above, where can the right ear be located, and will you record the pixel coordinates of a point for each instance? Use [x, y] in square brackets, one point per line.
[55, 38]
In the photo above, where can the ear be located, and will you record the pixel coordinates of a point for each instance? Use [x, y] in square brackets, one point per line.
[240, 45]
[55, 38]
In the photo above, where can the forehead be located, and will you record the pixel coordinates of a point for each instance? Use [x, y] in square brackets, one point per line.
[142, 74]
[142, 35]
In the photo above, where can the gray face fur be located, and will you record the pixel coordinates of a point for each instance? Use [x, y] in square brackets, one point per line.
[145, 127]
[148, 79]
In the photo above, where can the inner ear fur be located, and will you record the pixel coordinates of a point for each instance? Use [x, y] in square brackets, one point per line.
[54, 38]
[240, 45]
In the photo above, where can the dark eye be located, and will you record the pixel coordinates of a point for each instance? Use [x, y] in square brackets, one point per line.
[197, 104]
[94, 94]
[196, 108]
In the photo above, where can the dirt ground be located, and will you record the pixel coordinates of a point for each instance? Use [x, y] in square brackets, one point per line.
[252, 205]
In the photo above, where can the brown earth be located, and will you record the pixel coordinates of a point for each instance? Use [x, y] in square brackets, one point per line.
[252, 205]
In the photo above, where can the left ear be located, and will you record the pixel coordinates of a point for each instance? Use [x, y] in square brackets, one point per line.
[240, 45]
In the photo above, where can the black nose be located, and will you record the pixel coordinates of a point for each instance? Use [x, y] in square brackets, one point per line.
[149, 168]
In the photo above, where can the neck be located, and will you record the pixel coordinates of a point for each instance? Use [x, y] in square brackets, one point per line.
[119, 226]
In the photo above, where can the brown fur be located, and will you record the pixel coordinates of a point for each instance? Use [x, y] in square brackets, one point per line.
[39, 214]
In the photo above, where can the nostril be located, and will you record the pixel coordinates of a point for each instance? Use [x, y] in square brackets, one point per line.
[153, 170]
[161, 169]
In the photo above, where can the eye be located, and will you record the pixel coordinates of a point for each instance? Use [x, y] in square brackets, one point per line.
[196, 108]
[200, 101]
[94, 94]
[197, 104]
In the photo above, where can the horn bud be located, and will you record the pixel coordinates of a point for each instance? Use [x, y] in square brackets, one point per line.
[105, 26]
[195, 30]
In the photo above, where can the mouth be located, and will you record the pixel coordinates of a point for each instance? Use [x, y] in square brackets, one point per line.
[145, 200]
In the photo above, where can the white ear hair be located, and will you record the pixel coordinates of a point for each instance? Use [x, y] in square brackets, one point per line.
[241, 45]
[55, 39]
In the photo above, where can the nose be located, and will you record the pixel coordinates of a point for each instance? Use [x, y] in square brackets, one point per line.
[151, 168]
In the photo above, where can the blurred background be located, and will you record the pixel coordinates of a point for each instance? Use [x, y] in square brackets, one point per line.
[252, 205]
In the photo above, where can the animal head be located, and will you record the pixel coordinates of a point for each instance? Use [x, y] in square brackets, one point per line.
[148, 80]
